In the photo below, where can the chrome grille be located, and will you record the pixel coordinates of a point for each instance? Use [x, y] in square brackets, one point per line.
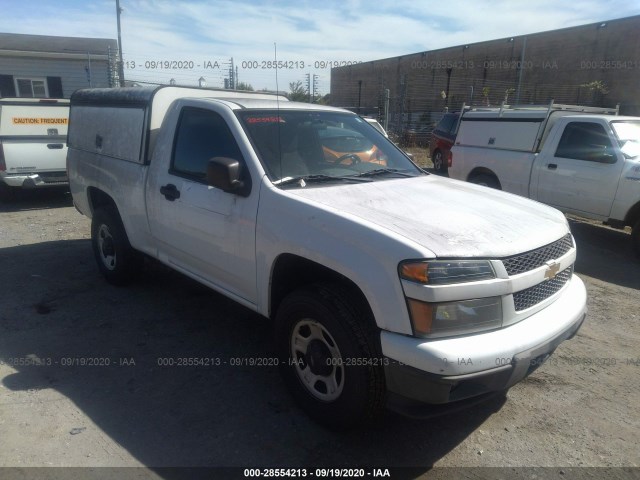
[538, 293]
[524, 262]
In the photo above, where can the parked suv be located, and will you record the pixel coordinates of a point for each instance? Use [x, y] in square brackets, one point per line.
[442, 138]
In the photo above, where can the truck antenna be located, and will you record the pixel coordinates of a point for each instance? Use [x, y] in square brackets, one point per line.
[275, 57]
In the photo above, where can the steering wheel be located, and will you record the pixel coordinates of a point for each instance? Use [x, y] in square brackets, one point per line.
[354, 158]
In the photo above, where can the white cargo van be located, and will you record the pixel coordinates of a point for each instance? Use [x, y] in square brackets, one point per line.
[33, 147]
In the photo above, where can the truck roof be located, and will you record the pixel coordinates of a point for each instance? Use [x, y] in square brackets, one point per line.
[613, 118]
[34, 101]
[146, 96]
[253, 103]
[142, 96]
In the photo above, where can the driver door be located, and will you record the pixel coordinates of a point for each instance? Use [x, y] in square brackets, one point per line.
[584, 171]
[204, 231]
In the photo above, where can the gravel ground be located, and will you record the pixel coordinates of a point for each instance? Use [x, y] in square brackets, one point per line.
[580, 409]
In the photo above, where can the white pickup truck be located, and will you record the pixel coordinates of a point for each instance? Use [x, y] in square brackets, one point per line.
[581, 160]
[310, 216]
[33, 148]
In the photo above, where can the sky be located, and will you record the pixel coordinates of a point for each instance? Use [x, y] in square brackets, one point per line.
[201, 36]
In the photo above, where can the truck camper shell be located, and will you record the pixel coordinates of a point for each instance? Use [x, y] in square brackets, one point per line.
[516, 127]
[122, 123]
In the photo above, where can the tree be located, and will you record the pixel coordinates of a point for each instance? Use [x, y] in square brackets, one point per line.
[297, 92]
[598, 90]
[244, 86]
[325, 100]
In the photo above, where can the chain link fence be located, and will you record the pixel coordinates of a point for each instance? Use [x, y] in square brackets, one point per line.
[416, 104]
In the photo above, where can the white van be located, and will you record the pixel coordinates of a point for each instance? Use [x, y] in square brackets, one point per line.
[33, 147]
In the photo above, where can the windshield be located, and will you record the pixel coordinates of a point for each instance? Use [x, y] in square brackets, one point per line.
[376, 125]
[628, 133]
[317, 145]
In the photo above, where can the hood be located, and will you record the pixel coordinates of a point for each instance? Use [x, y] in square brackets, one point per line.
[448, 217]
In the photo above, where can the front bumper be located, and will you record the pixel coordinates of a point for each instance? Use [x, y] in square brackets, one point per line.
[466, 367]
[36, 180]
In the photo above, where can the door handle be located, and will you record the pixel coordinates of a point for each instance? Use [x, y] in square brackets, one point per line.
[54, 146]
[170, 192]
[552, 166]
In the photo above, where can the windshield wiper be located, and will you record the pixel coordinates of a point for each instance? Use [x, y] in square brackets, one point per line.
[302, 180]
[384, 171]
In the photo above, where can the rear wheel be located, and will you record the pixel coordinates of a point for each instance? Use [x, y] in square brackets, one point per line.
[7, 193]
[118, 262]
[438, 162]
[486, 180]
[329, 356]
[635, 238]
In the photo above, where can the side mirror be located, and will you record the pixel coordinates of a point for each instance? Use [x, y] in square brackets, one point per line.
[225, 173]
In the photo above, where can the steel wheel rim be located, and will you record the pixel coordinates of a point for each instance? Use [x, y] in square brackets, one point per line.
[106, 247]
[317, 360]
[437, 161]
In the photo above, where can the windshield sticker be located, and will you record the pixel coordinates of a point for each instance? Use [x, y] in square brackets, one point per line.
[270, 119]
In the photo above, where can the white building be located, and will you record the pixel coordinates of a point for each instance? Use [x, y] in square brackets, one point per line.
[54, 67]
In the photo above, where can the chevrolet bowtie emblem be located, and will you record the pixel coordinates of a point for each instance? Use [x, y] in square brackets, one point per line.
[552, 269]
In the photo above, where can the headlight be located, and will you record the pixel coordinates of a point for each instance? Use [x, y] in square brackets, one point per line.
[443, 272]
[454, 318]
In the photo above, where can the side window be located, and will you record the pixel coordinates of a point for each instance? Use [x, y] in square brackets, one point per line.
[586, 141]
[31, 87]
[454, 124]
[201, 135]
[444, 125]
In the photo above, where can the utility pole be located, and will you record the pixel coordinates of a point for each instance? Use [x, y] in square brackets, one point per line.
[232, 73]
[308, 82]
[231, 82]
[386, 109]
[524, 47]
[315, 87]
[359, 95]
[446, 97]
[121, 64]
[88, 69]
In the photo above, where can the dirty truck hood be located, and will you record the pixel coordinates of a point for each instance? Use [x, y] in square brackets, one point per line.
[448, 217]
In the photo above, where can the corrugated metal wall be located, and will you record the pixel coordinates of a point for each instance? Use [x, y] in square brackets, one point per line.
[596, 64]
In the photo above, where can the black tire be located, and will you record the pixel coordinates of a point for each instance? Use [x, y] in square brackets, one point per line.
[635, 238]
[486, 180]
[7, 193]
[117, 261]
[439, 162]
[338, 347]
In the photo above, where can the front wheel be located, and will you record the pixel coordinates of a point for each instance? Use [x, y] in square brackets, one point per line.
[329, 356]
[118, 262]
[486, 180]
